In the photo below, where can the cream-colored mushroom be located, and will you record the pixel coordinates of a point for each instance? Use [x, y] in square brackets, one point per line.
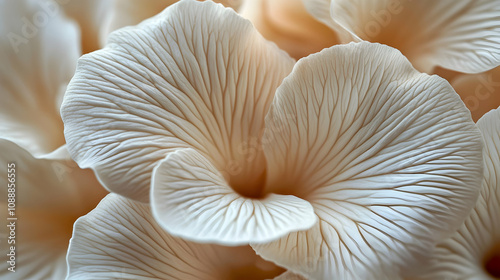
[38, 50]
[361, 165]
[473, 252]
[121, 240]
[459, 35]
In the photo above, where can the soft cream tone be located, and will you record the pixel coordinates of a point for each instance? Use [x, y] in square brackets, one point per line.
[354, 165]
[289, 25]
[91, 16]
[461, 35]
[51, 190]
[473, 253]
[121, 240]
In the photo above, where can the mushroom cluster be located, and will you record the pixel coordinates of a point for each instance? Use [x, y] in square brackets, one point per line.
[252, 139]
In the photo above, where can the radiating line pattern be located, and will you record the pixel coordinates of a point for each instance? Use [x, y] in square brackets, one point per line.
[465, 254]
[190, 198]
[458, 35]
[121, 240]
[386, 156]
[170, 83]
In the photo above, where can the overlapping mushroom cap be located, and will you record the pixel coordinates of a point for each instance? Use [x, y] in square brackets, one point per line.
[205, 85]
[361, 165]
[50, 194]
[473, 252]
[121, 240]
[38, 49]
[374, 146]
[459, 35]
